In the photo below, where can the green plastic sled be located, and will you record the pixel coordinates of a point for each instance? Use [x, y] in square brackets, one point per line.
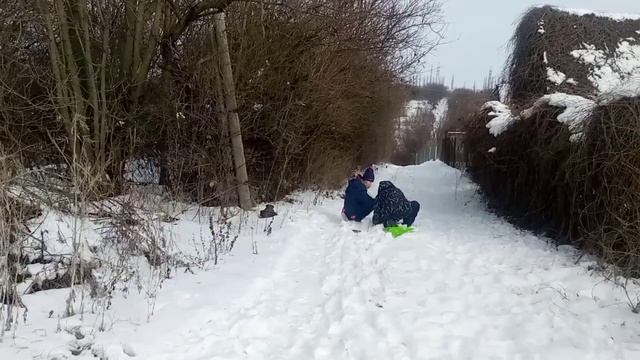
[398, 230]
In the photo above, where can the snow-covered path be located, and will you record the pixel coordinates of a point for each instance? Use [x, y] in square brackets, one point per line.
[464, 285]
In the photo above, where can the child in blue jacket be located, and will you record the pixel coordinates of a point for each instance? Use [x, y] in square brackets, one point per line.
[357, 202]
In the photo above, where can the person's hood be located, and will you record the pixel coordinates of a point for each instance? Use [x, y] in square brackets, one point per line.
[385, 185]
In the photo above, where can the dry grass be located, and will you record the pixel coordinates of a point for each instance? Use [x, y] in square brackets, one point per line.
[13, 217]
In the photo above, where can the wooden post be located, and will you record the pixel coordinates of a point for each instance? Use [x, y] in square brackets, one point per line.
[231, 103]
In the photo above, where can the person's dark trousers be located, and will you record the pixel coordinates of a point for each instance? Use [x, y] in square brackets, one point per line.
[410, 218]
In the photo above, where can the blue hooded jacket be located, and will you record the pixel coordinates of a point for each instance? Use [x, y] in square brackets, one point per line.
[357, 202]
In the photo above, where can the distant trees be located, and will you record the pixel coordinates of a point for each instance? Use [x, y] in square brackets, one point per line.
[462, 103]
[432, 92]
[443, 110]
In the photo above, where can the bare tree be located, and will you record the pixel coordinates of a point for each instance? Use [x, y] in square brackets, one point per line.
[314, 80]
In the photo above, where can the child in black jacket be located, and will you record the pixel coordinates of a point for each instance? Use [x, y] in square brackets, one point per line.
[392, 206]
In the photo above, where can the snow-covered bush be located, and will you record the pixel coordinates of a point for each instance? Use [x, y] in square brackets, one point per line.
[561, 157]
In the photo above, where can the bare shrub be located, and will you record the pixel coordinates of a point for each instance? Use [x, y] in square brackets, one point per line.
[606, 170]
[13, 217]
[580, 192]
[526, 176]
[107, 82]
[545, 38]
[461, 103]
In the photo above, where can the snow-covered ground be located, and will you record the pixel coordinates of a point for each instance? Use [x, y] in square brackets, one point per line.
[464, 285]
[414, 107]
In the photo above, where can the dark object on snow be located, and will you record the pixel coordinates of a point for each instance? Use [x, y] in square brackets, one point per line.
[357, 202]
[392, 206]
[268, 212]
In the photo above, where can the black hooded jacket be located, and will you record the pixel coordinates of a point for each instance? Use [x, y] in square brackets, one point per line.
[391, 204]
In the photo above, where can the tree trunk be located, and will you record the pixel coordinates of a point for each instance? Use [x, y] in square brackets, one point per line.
[232, 112]
[225, 150]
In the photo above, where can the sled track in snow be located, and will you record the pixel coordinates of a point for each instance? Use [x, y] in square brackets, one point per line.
[464, 285]
[325, 300]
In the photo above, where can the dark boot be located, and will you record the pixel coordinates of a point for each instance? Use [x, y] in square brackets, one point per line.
[268, 212]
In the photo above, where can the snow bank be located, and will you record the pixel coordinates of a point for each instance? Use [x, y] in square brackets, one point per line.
[321, 288]
[630, 88]
[503, 117]
[612, 16]
[576, 111]
[110, 311]
[610, 71]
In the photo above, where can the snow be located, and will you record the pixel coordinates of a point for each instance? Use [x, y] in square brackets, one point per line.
[440, 113]
[541, 26]
[576, 111]
[556, 77]
[630, 88]
[503, 117]
[612, 16]
[464, 285]
[414, 107]
[610, 71]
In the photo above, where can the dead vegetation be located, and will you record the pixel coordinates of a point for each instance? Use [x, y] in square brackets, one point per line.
[545, 38]
[110, 110]
[108, 82]
[579, 192]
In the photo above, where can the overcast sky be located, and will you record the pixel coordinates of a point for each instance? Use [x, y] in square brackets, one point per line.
[478, 32]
